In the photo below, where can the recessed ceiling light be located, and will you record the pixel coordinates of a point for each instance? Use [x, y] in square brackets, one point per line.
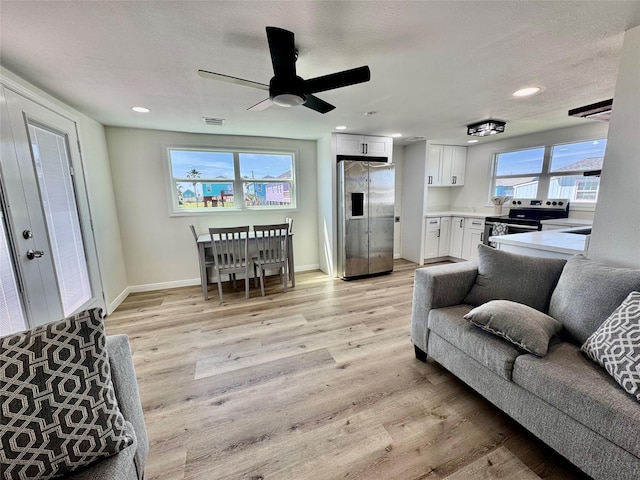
[473, 141]
[140, 109]
[341, 127]
[396, 135]
[368, 114]
[525, 92]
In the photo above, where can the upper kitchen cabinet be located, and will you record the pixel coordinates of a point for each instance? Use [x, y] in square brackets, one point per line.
[362, 145]
[446, 165]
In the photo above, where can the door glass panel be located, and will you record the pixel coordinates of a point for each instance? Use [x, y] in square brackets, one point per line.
[51, 162]
[11, 314]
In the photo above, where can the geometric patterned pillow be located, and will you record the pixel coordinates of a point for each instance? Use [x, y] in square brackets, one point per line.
[59, 411]
[615, 345]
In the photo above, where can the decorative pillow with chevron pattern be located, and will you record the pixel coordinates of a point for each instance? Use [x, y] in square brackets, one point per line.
[59, 411]
[615, 345]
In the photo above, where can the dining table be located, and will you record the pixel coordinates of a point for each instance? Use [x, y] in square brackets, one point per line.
[204, 243]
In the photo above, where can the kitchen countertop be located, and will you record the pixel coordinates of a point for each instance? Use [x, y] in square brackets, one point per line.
[548, 240]
[568, 222]
[447, 213]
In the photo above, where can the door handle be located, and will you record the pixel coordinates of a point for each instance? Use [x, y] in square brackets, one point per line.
[31, 254]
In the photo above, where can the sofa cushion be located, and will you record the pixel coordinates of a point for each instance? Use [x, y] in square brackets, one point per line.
[615, 345]
[569, 381]
[59, 411]
[587, 293]
[520, 324]
[493, 352]
[519, 278]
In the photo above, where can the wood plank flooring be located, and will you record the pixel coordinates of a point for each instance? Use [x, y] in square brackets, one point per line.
[318, 383]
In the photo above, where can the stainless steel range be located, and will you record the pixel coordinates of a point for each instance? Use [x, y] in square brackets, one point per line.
[526, 215]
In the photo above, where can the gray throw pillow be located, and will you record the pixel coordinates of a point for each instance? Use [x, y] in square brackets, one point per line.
[615, 345]
[519, 278]
[59, 411]
[587, 293]
[523, 326]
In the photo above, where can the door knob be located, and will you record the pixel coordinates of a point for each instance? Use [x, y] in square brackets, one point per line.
[31, 254]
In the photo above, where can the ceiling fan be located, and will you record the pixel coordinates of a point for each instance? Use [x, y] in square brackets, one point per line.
[287, 89]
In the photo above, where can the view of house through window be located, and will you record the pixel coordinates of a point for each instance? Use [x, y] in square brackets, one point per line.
[213, 179]
[552, 172]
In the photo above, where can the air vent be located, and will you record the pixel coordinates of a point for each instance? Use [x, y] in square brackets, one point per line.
[595, 111]
[215, 122]
[415, 139]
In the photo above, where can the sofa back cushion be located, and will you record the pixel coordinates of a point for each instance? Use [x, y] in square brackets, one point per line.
[587, 293]
[519, 278]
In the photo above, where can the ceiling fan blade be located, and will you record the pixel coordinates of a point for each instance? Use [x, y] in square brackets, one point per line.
[337, 80]
[314, 103]
[283, 51]
[264, 104]
[228, 79]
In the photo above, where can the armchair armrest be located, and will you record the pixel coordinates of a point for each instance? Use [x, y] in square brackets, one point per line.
[437, 287]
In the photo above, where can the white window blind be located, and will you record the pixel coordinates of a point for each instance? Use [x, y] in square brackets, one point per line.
[51, 161]
[11, 313]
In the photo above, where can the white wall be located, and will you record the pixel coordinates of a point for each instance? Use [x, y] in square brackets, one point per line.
[615, 238]
[398, 160]
[327, 224]
[474, 196]
[413, 201]
[159, 249]
[100, 194]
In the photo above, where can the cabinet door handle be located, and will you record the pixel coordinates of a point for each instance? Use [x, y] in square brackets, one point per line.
[482, 237]
[461, 220]
[438, 233]
[430, 180]
[454, 179]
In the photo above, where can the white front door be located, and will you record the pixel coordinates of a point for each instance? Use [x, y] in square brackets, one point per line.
[47, 218]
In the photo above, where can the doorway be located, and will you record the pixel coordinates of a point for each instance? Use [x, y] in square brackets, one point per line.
[48, 260]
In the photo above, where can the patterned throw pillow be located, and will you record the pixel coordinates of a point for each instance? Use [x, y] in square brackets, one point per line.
[59, 410]
[615, 345]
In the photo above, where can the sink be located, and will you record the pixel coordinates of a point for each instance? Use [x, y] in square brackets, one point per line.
[580, 231]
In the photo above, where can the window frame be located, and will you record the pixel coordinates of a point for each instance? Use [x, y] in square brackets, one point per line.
[545, 176]
[238, 182]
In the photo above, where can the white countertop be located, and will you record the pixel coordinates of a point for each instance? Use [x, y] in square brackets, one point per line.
[549, 240]
[567, 222]
[458, 214]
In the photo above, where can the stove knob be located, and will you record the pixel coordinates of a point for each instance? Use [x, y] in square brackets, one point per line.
[548, 202]
[514, 202]
[560, 203]
[519, 202]
[554, 203]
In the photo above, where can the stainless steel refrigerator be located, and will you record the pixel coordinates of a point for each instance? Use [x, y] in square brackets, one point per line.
[365, 218]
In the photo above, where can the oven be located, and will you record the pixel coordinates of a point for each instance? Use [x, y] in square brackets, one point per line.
[525, 215]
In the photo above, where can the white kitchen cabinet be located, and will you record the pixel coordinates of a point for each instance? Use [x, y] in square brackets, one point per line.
[432, 238]
[445, 236]
[472, 236]
[361, 145]
[446, 165]
[457, 234]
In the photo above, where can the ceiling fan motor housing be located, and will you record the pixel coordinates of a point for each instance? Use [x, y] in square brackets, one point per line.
[287, 91]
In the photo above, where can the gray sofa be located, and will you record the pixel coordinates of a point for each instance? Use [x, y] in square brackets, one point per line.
[129, 463]
[562, 397]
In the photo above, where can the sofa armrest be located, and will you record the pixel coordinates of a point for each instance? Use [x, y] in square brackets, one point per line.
[123, 376]
[437, 287]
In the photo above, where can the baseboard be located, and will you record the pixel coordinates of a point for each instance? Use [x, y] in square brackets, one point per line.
[117, 301]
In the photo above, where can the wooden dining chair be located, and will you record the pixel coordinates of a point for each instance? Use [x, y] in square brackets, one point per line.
[205, 262]
[272, 251]
[231, 254]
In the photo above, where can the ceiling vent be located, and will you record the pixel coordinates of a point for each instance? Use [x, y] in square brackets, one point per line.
[596, 111]
[415, 139]
[214, 122]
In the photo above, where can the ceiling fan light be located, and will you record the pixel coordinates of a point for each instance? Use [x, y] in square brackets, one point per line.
[486, 127]
[288, 100]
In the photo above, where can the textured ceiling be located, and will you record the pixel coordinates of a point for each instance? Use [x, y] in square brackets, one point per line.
[435, 66]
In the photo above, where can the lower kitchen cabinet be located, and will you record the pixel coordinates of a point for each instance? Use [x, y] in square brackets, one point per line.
[457, 234]
[473, 235]
[445, 236]
[432, 238]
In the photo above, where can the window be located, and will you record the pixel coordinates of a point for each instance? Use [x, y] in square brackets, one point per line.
[553, 171]
[206, 180]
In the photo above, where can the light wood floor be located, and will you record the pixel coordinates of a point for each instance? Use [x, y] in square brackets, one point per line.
[318, 383]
